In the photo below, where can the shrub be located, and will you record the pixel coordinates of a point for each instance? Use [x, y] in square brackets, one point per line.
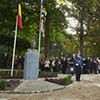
[48, 74]
[3, 84]
[5, 72]
[67, 79]
[1, 72]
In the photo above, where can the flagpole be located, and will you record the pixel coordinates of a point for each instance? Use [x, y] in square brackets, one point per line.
[14, 47]
[40, 31]
[39, 38]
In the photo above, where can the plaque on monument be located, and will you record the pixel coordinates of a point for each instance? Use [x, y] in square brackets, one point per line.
[31, 64]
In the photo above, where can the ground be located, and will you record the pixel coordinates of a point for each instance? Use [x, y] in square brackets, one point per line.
[87, 89]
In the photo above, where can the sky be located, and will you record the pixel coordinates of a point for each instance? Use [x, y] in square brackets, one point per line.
[72, 21]
[72, 24]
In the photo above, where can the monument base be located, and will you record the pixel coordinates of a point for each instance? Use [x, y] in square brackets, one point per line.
[31, 66]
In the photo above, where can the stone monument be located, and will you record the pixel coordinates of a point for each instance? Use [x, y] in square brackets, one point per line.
[31, 65]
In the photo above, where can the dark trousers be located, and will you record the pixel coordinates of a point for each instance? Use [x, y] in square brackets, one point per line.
[42, 67]
[54, 69]
[47, 69]
[63, 70]
[78, 73]
[91, 70]
[3, 65]
[95, 70]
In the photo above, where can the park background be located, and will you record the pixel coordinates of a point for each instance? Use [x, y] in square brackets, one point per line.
[55, 40]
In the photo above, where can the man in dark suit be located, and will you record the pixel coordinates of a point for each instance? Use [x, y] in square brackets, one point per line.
[64, 64]
[4, 60]
[88, 65]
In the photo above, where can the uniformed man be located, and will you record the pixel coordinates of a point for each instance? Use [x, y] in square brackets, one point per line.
[78, 65]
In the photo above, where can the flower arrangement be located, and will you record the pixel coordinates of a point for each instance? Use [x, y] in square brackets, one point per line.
[61, 81]
[19, 74]
[12, 82]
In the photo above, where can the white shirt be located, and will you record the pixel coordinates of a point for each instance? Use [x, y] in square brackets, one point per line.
[47, 63]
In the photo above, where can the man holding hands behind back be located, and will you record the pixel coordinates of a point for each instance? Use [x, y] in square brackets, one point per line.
[78, 65]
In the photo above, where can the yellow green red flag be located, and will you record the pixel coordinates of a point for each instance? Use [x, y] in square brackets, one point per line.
[19, 23]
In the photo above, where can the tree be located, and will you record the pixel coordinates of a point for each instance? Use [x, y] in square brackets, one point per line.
[85, 12]
[55, 21]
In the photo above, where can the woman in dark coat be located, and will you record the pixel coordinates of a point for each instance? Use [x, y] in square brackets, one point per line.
[95, 65]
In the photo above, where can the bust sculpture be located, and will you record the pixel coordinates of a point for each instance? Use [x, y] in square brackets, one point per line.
[32, 44]
[31, 64]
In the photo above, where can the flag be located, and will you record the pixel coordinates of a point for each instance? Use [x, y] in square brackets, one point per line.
[19, 22]
[42, 15]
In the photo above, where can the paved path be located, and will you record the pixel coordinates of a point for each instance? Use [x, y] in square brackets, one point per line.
[40, 85]
[87, 89]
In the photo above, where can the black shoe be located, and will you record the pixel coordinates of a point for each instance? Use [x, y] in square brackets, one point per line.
[78, 80]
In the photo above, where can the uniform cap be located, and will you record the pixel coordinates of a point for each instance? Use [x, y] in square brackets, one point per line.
[78, 52]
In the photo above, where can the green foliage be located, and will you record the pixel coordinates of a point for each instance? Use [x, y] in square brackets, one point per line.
[86, 12]
[3, 84]
[19, 72]
[48, 73]
[8, 72]
[30, 20]
[1, 72]
[67, 79]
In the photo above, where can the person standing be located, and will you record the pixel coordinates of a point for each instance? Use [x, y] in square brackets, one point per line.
[78, 64]
[95, 66]
[51, 67]
[88, 64]
[85, 71]
[19, 63]
[99, 65]
[23, 60]
[15, 62]
[68, 66]
[42, 60]
[53, 64]
[91, 69]
[47, 64]
[4, 60]
[64, 64]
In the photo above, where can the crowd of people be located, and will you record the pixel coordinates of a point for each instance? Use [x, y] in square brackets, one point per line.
[64, 66]
[61, 65]
[18, 62]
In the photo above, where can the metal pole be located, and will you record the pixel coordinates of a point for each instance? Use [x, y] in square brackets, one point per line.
[39, 38]
[14, 47]
[40, 32]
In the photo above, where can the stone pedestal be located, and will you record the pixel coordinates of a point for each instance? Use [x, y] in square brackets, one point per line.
[31, 66]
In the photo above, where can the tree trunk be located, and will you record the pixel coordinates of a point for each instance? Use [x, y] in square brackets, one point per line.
[47, 35]
[82, 32]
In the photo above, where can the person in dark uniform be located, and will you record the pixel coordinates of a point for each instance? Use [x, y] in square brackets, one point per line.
[4, 60]
[78, 64]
